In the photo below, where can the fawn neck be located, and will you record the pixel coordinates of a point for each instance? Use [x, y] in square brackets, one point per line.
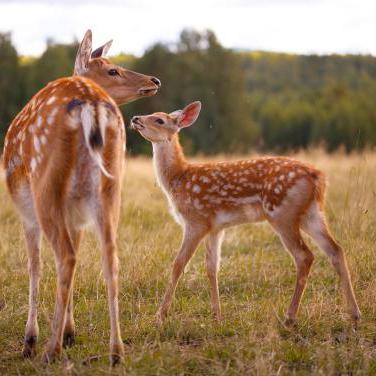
[169, 160]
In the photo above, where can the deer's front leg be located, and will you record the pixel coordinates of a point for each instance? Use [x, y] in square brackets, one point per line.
[213, 257]
[32, 235]
[191, 239]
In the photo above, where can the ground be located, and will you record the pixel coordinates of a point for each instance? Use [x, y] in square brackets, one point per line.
[256, 284]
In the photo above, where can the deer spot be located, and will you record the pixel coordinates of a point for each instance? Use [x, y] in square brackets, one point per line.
[196, 189]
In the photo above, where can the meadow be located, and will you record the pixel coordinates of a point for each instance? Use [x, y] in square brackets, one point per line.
[256, 282]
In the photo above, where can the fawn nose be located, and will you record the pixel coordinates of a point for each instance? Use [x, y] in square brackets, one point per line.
[156, 81]
[135, 119]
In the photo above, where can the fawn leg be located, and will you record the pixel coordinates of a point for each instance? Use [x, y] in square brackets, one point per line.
[303, 257]
[315, 226]
[213, 244]
[191, 239]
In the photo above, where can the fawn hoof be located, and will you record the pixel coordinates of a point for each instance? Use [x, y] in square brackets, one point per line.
[68, 340]
[161, 317]
[117, 354]
[355, 318]
[29, 350]
[51, 354]
[218, 317]
[290, 322]
[115, 359]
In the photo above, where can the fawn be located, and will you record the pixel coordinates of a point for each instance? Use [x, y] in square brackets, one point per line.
[207, 198]
[63, 158]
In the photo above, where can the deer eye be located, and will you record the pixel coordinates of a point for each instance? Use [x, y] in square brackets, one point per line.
[159, 121]
[113, 72]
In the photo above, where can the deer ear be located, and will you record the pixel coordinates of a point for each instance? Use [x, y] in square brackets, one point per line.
[83, 54]
[189, 115]
[102, 50]
[175, 114]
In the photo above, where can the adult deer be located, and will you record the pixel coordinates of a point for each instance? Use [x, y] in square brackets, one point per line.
[206, 198]
[63, 158]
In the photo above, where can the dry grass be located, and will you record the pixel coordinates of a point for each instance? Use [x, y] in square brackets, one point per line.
[256, 283]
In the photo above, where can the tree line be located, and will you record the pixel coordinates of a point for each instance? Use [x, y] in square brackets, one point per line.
[262, 100]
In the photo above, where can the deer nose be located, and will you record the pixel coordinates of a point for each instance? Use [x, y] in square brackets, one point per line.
[135, 119]
[156, 81]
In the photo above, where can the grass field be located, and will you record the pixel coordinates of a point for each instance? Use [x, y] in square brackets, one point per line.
[256, 283]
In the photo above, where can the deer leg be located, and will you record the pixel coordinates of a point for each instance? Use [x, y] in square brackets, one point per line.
[32, 235]
[111, 272]
[303, 257]
[65, 262]
[69, 328]
[213, 244]
[316, 227]
[191, 239]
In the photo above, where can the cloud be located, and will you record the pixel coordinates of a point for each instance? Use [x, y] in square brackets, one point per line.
[315, 26]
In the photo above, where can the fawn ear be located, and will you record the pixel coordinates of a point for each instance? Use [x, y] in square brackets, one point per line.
[175, 114]
[102, 50]
[83, 54]
[189, 114]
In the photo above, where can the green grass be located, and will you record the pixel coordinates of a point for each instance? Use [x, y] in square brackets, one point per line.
[256, 283]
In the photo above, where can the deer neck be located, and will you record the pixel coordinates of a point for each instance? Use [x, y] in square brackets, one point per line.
[169, 161]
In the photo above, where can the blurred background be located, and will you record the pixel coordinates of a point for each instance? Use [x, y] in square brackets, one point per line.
[273, 75]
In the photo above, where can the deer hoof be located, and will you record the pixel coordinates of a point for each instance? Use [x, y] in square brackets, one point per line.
[29, 350]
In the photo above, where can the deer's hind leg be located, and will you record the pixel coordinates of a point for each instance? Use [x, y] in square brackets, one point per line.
[107, 218]
[33, 236]
[23, 200]
[303, 257]
[69, 328]
[314, 225]
[65, 259]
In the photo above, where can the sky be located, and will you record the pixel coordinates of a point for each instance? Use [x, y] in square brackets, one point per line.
[294, 26]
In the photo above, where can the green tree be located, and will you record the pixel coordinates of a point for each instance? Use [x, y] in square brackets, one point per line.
[9, 83]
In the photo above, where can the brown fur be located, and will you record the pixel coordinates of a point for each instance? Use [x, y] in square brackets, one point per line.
[62, 179]
[207, 198]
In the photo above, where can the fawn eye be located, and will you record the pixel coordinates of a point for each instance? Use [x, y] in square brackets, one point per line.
[113, 72]
[159, 121]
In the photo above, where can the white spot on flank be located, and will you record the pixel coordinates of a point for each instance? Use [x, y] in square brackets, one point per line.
[291, 174]
[33, 164]
[205, 179]
[43, 139]
[196, 188]
[51, 100]
[213, 188]
[36, 144]
[51, 116]
[39, 121]
[188, 185]
[197, 204]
